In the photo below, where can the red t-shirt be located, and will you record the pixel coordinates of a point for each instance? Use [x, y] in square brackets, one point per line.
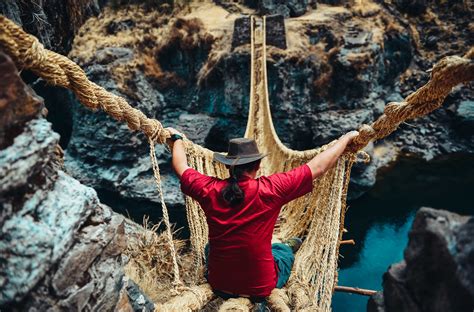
[240, 255]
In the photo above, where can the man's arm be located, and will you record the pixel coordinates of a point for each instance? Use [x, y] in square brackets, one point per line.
[325, 160]
[179, 160]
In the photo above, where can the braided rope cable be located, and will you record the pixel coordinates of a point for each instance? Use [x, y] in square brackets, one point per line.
[192, 299]
[445, 75]
[278, 300]
[240, 304]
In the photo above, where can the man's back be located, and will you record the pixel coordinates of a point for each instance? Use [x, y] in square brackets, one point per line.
[240, 258]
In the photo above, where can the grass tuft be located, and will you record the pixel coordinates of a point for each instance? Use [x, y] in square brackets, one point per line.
[150, 263]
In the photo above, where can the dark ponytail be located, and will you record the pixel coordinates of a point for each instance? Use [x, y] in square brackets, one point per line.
[232, 194]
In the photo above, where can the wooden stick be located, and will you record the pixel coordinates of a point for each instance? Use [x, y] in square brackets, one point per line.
[355, 290]
[348, 242]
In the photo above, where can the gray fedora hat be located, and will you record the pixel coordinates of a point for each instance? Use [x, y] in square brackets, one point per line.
[241, 151]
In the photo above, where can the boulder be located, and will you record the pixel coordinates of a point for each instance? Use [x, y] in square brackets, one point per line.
[297, 7]
[330, 125]
[437, 273]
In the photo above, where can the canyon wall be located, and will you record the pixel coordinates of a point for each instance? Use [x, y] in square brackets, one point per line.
[60, 248]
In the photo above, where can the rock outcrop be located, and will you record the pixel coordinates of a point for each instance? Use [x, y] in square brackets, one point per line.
[104, 154]
[60, 248]
[437, 273]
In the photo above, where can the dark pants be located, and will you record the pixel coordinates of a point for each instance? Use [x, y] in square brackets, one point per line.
[284, 259]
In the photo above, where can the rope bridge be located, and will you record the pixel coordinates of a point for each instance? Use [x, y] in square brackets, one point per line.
[319, 216]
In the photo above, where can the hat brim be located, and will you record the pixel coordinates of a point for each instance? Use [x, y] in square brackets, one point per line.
[235, 162]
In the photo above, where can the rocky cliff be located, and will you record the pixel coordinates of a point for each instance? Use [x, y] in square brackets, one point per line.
[341, 64]
[60, 248]
[437, 273]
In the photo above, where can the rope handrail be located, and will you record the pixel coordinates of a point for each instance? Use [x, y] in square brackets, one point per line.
[445, 75]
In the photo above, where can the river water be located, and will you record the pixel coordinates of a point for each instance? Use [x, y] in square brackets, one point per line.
[380, 220]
